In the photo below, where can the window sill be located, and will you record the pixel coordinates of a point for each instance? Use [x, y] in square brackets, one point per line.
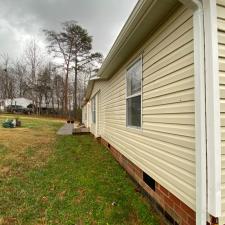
[138, 130]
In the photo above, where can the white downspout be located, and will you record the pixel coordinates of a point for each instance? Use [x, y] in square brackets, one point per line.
[212, 108]
[200, 110]
[87, 114]
[200, 117]
[96, 115]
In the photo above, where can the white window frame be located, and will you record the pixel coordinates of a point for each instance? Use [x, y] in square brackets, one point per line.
[140, 58]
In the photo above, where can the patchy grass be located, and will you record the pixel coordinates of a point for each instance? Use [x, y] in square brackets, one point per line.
[76, 182]
[26, 147]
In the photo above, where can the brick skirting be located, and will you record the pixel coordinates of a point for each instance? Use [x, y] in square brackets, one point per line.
[173, 209]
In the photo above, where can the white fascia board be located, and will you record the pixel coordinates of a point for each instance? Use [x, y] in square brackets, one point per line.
[212, 108]
[200, 114]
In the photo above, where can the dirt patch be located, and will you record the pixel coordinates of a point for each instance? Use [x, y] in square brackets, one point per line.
[61, 195]
[133, 218]
[8, 221]
[80, 195]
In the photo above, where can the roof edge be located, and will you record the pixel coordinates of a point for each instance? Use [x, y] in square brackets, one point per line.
[144, 9]
[141, 22]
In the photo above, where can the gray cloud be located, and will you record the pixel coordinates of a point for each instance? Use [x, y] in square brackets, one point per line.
[21, 20]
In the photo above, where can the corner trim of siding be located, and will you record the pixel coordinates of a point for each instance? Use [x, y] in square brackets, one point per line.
[212, 109]
[200, 114]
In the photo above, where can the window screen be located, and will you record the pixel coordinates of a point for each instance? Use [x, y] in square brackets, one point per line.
[134, 82]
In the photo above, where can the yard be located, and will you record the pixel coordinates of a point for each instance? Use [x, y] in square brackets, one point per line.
[50, 179]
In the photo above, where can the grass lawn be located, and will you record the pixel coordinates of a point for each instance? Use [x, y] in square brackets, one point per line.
[50, 179]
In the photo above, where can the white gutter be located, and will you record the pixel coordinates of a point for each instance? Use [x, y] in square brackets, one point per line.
[200, 118]
[212, 109]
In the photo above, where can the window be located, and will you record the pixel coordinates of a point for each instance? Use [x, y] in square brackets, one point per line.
[93, 109]
[134, 82]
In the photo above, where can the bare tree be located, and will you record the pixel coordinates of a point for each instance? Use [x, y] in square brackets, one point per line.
[74, 45]
[5, 74]
[7, 78]
[20, 73]
[58, 90]
[34, 60]
[32, 78]
[46, 84]
[61, 45]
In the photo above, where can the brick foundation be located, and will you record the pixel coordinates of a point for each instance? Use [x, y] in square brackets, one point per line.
[173, 209]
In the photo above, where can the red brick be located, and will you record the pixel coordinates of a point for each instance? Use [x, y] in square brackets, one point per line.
[181, 213]
[169, 202]
[139, 172]
[176, 200]
[191, 221]
[162, 195]
[138, 179]
[187, 209]
[175, 207]
[164, 191]
[168, 208]
[184, 223]
[159, 201]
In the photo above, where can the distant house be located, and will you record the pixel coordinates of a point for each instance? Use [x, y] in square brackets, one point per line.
[159, 106]
[19, 102]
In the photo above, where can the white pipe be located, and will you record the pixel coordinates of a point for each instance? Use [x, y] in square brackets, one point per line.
[96, 115]
[213, 109]
[200, 110]
[200, 118]
[87, 114]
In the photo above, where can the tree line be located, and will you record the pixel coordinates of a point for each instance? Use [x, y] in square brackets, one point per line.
[55, 81]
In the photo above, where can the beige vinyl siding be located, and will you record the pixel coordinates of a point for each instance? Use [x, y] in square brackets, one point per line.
[89, 114]
[165, 145]
[221, 40]
[84, 115]
[168, 105]
[99, 115]
[92, 125]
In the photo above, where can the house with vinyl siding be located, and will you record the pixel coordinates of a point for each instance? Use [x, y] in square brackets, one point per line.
[158, 104]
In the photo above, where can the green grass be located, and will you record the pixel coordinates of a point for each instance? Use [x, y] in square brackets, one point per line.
[33, 122]
[76, 185]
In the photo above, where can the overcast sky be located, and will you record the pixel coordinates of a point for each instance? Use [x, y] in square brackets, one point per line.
[21, 20]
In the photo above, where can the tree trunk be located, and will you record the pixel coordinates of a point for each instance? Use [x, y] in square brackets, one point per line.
[66, 91]
[75, 89]
[53, 102]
